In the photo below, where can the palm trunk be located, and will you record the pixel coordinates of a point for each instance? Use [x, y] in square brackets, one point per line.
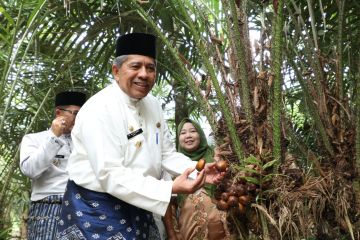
[237, 41]
[277, 104]
[339, 65]
[357, 143]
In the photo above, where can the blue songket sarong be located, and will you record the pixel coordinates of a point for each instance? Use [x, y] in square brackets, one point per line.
[91, 215]
[43, 218]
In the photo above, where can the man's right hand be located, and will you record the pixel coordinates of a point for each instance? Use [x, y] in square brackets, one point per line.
[58, 125]
[182, 184]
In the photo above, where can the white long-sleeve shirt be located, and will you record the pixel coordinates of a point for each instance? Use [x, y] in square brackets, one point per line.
[105, 160]
[43, 158]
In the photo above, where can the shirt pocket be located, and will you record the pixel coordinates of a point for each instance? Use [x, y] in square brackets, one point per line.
[61, 158]
[60, 161]
[135, 150]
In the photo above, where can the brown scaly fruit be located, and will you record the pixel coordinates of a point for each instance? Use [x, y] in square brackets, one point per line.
[225, 196]
[200, 165]
[242, 208]
[233, 201]
[244, 200]
[221, 165]
[222, 205]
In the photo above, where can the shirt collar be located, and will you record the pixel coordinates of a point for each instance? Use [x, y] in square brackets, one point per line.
[67, 136]
[131, 102]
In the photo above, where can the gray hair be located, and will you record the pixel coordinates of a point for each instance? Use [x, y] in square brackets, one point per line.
[118, 61]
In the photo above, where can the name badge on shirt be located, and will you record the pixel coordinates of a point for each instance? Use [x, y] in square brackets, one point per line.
[135, 133]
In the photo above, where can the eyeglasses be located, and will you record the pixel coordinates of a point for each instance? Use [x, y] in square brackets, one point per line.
[75, 112]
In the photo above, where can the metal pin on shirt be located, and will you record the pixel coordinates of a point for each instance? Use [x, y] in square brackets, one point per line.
[158, 125]
[138, 144]
[56, 162]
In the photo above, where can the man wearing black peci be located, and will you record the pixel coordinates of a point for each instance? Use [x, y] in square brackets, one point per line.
[43, 158]
[121, 145]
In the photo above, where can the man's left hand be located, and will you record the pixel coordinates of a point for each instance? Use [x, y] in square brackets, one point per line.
[213, 176]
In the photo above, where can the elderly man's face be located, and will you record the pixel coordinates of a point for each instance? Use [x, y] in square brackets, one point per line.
[136, 76]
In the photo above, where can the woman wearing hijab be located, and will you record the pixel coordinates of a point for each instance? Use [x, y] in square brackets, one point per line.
[198, 218]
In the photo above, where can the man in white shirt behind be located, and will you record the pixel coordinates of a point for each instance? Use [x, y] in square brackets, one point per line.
[43, 158]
